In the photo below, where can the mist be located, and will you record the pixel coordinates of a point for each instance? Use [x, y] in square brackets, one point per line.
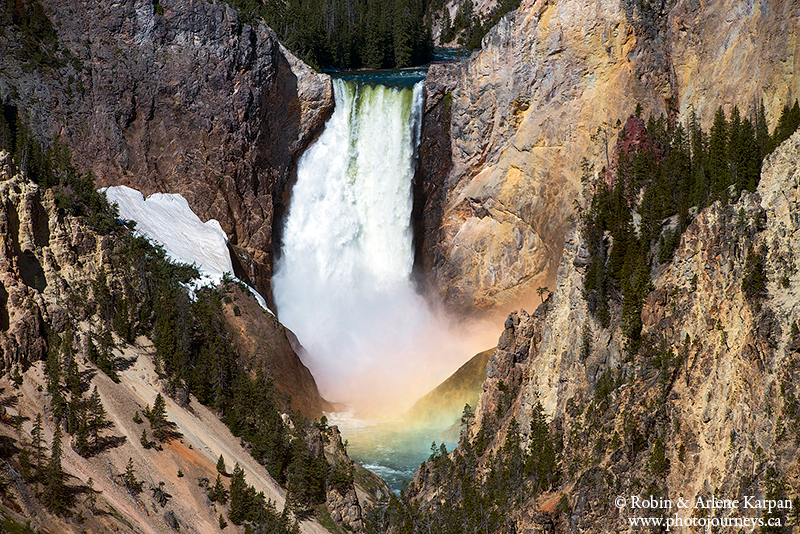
[342, 283]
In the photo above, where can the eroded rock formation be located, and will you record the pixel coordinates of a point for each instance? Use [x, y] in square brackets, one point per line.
[705, 407]
[48, 263]
[187, 98]
[263, 342]
[545, 91]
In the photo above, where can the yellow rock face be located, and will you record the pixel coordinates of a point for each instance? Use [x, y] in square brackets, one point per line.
[546, 91]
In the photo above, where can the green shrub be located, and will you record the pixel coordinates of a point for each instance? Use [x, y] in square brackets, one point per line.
[754, 281]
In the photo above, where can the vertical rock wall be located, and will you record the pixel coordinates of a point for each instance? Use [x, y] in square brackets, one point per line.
[188, 98]
[545, 91]
[726, 413]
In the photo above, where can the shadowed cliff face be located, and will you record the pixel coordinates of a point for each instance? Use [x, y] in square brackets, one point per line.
[544, 92]
[262, 341]
[191, 101]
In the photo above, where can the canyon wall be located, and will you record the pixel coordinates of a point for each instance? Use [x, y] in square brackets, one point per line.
[189, 98]
[185, 98]
[49, 262]
[546, 91]
[708, 405]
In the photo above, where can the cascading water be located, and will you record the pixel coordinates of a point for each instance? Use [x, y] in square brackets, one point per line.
[342, 283]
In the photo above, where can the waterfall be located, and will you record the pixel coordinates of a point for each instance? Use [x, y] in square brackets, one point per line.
[342, 283]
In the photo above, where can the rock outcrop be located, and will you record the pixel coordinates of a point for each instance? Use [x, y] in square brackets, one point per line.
[707, 406]
[342, 502]
[24, 232]
[481, 10]
[183, 97]
[48, 263]
[263, 342]
[546, 91]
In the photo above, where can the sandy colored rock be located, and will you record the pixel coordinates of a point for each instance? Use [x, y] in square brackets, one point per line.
[724, 407]
[48, 262]
[545, 91]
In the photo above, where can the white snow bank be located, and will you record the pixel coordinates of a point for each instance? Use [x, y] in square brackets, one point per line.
[168, 220]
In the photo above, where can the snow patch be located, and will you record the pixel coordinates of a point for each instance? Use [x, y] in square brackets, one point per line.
[168, 220]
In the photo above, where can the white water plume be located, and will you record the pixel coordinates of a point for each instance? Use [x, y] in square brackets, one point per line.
[342, 283]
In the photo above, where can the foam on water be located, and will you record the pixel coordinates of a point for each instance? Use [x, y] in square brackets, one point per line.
[342, 283]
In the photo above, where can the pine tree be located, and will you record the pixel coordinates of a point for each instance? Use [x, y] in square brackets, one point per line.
[794, 118]
[679, 175]
[652, 210]
[82, 430]
[749, 161]
[91, 351]
[467, 417]
[754, 281]
[782, 127]
[37, 443]
[763, 139]
[54, 492]
[238, 496]
[102, 296]
[134, 486]
[218, 492]
[658, 463]
[53, 366]
[373, 48]
[736, 168]
[513, 460]
[158, 418]
[446, 30]
[297, 489]
[221, 465]
[402, 33]
[75, 388]
[98, 418]
[102, 356]
[542, 455]
[143, 439]
[221, 381]
[16, 377]
[699, 143]
[463, 16]
[121, 322]
[787, 124]
[718, 156]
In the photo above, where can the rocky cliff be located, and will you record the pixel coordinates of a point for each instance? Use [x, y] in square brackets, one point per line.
[31, 251]
[262, 341]
[707, 406]
[49, 263]
[545, 91]
[61, 280]
[183, 97]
